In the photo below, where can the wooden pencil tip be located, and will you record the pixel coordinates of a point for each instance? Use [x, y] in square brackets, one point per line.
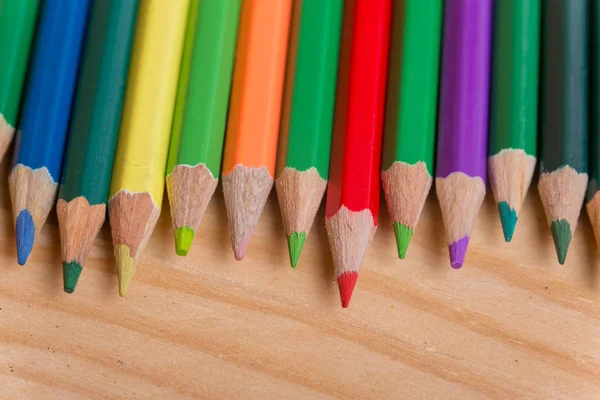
[346, 284]
[403, 235]
[125, 268]
[25, 235]
[184, 237]
[508, 219]
[458, 251]
[561, 234]
[71, 273]
[295, 244]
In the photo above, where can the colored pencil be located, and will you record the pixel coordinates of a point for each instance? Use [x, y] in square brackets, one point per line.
[593, 198]
[17, 27]
[305, 138]
[253, 125]
[95, 122]
[514, 106]
[33, 181]
[564, 125]
[200, 115]
[138, 175]
[463, 123]
[352, 204]
[409, 140]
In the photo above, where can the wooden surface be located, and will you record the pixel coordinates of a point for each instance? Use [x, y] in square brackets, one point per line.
[512, 324]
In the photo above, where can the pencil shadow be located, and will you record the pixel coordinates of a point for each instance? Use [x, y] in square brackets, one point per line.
[590, 249]
[430, 229]
[222, 239]
[542, 245]
[105, 247]
[52, 269]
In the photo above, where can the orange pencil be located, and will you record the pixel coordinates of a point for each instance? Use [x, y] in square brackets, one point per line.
[253, 126]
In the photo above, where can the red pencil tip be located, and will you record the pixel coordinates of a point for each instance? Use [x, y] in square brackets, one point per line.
[346, 283]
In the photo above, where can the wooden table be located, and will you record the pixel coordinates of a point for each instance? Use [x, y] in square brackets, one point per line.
[512, 324]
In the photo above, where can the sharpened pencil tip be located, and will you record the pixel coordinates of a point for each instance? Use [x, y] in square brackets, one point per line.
[295, 244]
[403, 235]
[561, 234]
[239, 251]
[346, 283]
[184, 237]
[71, 272]
[25, 234]
[508, 218]
[125, 268]
[458, 251]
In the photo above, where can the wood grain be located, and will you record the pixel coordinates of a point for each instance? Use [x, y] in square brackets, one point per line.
[511, 324]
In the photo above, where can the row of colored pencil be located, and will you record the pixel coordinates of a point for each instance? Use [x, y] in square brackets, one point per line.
[131, 91]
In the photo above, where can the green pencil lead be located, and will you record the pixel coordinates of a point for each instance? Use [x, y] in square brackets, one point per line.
[295, 244]
[561, 234]
[508, 218]
[184, 237]
[403, 235]
[71, 272]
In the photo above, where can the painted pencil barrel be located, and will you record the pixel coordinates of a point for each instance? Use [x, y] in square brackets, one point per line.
[564, 117]
[312, 70]
[99, 101]
[462, 139]
[413, 85]
[207, 97]
[514, 106]
[593, 199]
[409, 140]
[17, 27]
[52, 78]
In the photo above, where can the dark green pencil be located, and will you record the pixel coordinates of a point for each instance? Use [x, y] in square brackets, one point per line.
[593, 198]
[564, 125]
[93, 135]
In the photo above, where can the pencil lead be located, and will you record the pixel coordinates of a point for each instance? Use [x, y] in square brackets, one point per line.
[125, 268]
[25, 235]
[346, 283]
[71, 272]
[403, 235]
[184, 237]
[508, 219]
[458, 251]
[561, 234]
[239, 251]
[295, 244]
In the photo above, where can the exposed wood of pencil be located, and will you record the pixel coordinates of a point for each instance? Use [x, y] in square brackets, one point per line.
[300, 194]
[79, 224]
[562, 192]
[132, 217]
[246, 190]
[510, 172]
[6, 135]
[593, 210]
[460, 197]
[406, 188]
[190, 190]
[350, 234]
[32, 193]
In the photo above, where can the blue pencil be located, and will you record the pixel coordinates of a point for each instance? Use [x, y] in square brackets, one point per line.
[33, 181]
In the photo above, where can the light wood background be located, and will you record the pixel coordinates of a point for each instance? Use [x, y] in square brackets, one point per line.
[512, 324]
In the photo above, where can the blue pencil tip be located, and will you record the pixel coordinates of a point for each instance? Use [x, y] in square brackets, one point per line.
[25, 232]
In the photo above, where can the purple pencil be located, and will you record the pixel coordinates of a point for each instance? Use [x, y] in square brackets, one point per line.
[463, 124]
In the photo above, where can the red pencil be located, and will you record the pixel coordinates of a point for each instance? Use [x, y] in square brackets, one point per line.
[353, 189]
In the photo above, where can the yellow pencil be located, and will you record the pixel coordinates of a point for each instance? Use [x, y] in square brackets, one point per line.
[138, 177]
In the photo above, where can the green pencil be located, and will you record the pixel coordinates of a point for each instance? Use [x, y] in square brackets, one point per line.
[305, 139]
[564, 125]
[409, 140]
[593, 198]
[514, 109]
[88, 164]
[17, 26]
[200, 114]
